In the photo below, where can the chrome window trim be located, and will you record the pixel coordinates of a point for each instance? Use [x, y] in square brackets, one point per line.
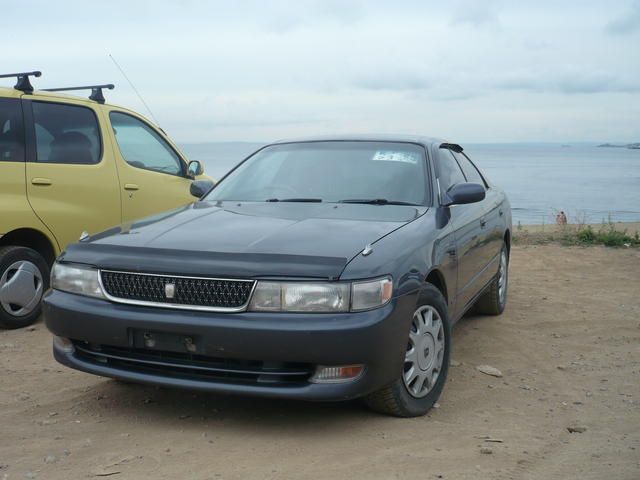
[177, 306]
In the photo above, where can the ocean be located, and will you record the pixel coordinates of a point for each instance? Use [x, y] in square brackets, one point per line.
[590, 184]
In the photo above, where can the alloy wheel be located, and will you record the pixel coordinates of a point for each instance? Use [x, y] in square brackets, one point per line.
[503, 277]
[425, 352]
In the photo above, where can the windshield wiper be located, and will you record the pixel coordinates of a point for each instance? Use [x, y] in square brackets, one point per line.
[305, 200]
[376, 201]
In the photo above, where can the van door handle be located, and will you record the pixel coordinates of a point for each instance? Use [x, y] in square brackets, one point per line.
[41, 181]
[131, 186]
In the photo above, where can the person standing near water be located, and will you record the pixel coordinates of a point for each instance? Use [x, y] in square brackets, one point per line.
[561, 218]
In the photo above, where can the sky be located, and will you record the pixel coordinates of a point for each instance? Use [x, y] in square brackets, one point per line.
[467, 71]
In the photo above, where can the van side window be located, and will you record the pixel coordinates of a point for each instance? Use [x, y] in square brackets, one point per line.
[142, 147]
[449, 173]
[469, 169]
[11, 131]
[66, 134]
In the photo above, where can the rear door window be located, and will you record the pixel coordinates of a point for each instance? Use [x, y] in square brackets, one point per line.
[142, 147]
[11, 130]
[469, 169]
[66, 134]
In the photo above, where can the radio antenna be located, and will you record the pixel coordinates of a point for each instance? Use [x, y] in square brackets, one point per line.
[134, 89]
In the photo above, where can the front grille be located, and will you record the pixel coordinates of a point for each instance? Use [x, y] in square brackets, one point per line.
[185, 292]
[195, 367]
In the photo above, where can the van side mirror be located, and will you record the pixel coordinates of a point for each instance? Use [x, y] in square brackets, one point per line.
[464, 193]
[194, 169]
[199, 187]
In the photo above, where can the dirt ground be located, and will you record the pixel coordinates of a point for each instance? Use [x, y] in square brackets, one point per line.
[568, 346]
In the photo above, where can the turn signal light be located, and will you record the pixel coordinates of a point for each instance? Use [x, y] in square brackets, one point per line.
[64, 344]
[338, 374]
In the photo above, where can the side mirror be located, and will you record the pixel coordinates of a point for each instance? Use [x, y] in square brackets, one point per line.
[464, 193]
[199, 187]
[194, 169]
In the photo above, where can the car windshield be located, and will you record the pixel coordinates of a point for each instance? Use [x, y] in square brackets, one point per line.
[352, 172]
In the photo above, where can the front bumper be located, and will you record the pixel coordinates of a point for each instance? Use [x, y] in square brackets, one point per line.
[376, 338]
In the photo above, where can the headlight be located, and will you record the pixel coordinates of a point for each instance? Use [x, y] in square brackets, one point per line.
[76, 279]
[301, 297]
[327, 297]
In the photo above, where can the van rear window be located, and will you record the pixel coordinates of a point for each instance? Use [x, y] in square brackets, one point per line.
[66, 134]
[11, 131]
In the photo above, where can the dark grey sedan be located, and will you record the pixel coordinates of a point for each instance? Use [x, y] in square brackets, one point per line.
[319, 269]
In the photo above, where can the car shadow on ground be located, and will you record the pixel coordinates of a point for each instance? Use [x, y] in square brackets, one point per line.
[162, 405]
[193, 410]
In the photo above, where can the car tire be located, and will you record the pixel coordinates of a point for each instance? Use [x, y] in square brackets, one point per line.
[403, 398]
[493, 301]
[21, 295]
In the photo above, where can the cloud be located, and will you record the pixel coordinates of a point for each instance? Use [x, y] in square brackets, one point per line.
[307, 14]
[627, 23]
[569, 83]
[476, 14]
[396, 80]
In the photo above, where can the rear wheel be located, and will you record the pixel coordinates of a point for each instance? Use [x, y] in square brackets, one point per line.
[493, 301]
[426, 361]
[24, 277]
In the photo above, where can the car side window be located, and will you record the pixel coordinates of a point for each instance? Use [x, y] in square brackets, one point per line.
[469, 169]
[11, 131]
[142, 147]
[449, 173]
[66, 134]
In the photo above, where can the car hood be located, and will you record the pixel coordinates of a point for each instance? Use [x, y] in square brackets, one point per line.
[254, 240]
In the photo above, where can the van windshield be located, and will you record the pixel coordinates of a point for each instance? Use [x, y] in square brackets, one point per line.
[352, 172]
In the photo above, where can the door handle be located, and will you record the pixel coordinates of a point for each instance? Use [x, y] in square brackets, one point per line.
[131, 186]
[483, 223]
[500, 212]
[41, 181]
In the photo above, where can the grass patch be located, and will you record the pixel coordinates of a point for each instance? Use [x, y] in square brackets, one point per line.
[582, 235]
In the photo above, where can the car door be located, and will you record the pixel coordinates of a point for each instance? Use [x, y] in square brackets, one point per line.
[466, 224]
[492, 220]
[152, 174]
[13, 202]
[72, 182]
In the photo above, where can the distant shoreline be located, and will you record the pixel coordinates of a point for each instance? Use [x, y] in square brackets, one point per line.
[630, 227]
[631, 146]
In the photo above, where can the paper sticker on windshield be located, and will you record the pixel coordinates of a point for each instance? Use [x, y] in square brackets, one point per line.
[391, 156]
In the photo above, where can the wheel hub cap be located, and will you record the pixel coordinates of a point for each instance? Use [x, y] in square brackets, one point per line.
[21, 288]
[425, 352]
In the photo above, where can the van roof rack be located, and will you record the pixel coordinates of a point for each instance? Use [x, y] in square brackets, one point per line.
[96, 90]
[22, 82]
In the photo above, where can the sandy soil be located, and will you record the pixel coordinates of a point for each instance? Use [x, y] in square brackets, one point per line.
[568, 346]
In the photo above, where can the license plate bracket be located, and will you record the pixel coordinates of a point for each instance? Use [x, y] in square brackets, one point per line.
[168, 342]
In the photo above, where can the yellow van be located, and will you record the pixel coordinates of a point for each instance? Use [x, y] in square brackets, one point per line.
[70, 165]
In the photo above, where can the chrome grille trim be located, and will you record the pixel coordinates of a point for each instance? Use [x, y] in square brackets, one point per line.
[176, 306]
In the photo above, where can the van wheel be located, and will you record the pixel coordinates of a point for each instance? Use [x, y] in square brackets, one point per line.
[426, 361]
[493, 301]
[24, 277]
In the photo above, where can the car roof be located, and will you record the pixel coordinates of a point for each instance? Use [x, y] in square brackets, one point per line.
[9, 92]
[369, 137]
[13, 93]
